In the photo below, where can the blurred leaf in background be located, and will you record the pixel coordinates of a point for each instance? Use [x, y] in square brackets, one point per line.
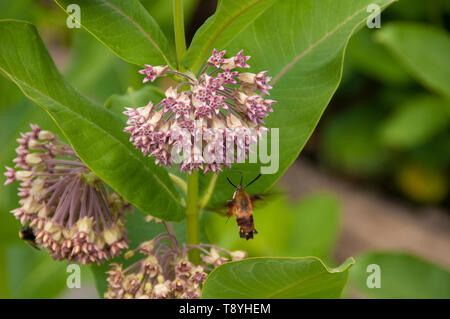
[390, 122]
[401, 276]
[422, 183]
[423, 50]
[374, 60]
[348, 142]
[415, 122]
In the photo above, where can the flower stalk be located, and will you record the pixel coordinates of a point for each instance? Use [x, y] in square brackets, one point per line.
[178, 22]
[192, 208]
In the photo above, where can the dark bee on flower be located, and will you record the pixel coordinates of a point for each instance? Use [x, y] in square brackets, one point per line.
[28, 236]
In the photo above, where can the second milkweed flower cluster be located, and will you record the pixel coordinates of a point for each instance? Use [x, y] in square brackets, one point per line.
[216, 120]
[71, 212]
[165, 272]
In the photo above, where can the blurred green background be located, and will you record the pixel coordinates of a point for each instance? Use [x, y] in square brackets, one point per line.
[387, 129]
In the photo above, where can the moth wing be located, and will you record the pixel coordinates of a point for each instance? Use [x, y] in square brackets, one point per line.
[225, 209]
[231, 205]
[260, 200]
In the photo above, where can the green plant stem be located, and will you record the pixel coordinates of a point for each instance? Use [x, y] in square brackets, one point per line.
[192, 216]
[192, 205]
[178, 24]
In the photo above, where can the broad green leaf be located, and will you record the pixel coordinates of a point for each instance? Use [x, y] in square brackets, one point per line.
[423, 50]
[276, 278]
[308, 227]
[304, 55]
[416, 122]
[126, 28]
[95, 133]
[9, 93]
[401, 276]
[93, 69]
[134, 99]
[230, 18]
[24, 9]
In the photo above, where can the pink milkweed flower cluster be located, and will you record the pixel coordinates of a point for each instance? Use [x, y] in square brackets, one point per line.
[221, 115]
[165, 272]
[70, 210]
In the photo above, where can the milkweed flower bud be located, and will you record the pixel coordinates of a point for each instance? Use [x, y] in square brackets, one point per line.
[164, 272]
[151, 73]
[152, 218]
[238, 255]
[213, 258]
[10, 175]
[47, 135]
[238, 61]
[71, 211]
[219, 117]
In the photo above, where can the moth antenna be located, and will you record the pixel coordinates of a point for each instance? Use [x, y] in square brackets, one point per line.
[231, 182]
[253, 180]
